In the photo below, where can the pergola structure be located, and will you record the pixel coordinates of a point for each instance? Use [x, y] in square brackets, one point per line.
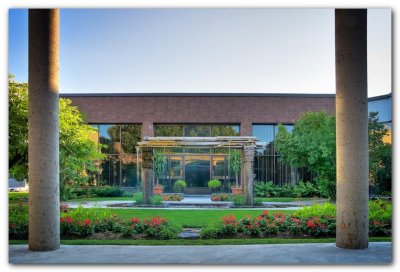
[351, 129]
[245, 143]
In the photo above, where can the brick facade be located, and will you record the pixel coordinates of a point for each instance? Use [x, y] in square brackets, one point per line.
[240, 109]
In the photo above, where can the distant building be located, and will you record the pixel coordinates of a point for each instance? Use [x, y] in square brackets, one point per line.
[17, 186]
[123, 120]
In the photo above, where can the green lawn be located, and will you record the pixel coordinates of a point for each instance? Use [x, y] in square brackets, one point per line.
[188, 218]
[127, 198]
[250, 241]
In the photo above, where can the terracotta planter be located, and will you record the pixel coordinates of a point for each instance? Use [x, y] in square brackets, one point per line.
[237, 190]
[157, 190]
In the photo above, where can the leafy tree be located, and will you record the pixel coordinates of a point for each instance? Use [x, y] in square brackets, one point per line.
[160, 164]
[79, 155]
[18, 128]
[380, 155]
[312, 144]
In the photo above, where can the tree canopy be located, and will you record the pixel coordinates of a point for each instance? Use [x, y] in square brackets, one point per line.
[79, 154]
[312, 144]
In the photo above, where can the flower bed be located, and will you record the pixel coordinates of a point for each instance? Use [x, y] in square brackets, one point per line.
[309, 222]
[220, 197]
[172, 197]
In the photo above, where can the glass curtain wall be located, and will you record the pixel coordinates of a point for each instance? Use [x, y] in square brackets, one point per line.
[267, 164]
[196, 130]
[118, 141]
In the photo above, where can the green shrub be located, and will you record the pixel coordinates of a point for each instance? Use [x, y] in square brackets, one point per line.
[285, 191]
[138, 198]
[211, 232]
[18, 222]
[380, 210]
[327, 209]
[305, 190]
[179, 185]
[265, 189]
[214, 184]
[239, 200]
[108, 191]
[169, 232]
[156, 200]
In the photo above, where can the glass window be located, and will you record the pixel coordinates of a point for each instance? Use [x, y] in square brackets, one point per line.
[383, 107]
[196, 130]
[168, 130]
[225, 130]
[265, 133]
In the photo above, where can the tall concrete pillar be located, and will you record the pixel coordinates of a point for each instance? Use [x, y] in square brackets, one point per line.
[43, 144]
[248, 166]
[351, 128]
[147, 174]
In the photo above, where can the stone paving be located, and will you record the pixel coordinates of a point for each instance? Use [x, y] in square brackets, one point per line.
[192, 202]
[277, 254]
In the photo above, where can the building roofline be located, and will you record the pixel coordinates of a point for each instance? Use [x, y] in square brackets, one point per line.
[317, 95]
[193, 95]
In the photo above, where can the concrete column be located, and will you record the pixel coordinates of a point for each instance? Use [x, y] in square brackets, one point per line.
[43, 147]
[246, 128]
[248, 166]
[147, 129]
[351, 128]
[147, 174]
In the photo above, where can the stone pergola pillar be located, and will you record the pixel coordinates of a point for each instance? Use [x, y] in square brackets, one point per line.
[147, 174]
[248, 167]
[351, 128]
[43, 144]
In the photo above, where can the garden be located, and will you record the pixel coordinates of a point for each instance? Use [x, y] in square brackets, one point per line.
[145, 226]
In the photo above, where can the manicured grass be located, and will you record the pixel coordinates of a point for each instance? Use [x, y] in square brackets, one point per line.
[282, 199]
[189, 218]
[16, 196]
[251, 241]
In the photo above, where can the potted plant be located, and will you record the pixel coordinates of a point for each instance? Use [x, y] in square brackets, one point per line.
[160, 165]
[235, 165]
[214, 184]
[179, 185]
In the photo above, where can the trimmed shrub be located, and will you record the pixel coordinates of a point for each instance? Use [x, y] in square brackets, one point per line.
[156, 200]
[211, 232]
[214, 184]
[138, 198]
[108, 191]
[239, 200]
[179, 185]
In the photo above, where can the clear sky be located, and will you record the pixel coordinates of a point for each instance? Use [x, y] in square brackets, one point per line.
[202, 50]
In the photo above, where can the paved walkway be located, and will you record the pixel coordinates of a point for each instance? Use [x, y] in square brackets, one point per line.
[202, 202]
[377, 253]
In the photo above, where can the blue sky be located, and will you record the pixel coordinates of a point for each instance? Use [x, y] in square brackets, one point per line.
[202, 50]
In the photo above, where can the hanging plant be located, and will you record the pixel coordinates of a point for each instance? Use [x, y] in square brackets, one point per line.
[235, 163]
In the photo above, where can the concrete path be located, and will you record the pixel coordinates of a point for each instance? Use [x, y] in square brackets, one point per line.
[377, 253]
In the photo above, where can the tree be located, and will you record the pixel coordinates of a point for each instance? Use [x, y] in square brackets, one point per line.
[160, 165]
[79, 154]
[18, 129]
[235, 163]
[380, 155]
[312, 144]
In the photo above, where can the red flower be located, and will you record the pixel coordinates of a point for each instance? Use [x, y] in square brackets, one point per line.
[86, 222]
[229, 219]
[295, 220]
[264, 213]
[310, 224]
[135, 220]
